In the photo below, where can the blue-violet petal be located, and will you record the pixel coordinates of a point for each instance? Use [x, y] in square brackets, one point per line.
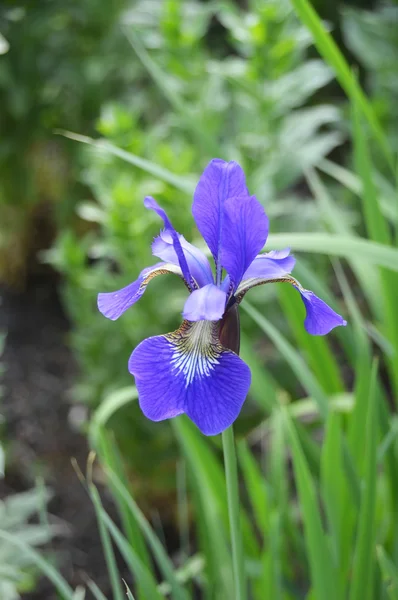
[198, 264]
[271, 265]
[205, 304]
[189, 371]
[114, 304]
[320, 318]
[220, 180]
[245, 229]
[151, 204]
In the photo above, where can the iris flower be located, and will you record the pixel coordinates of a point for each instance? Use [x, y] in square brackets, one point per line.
[196, 370]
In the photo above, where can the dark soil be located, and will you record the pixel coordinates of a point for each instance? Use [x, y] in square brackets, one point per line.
[40, 371]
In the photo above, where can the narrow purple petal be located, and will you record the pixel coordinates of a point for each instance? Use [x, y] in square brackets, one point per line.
[198, 265]
[271, 265]
[320, 318]
[205, 304]
[113, 304]
[151, 204]
[189, 371]
[246, 230]
[220, 180]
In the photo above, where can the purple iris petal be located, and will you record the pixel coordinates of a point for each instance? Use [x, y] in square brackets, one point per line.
[320, 318]
[246, 230]
[189, 371]
[220, 180]
[113, 304]
[205, 304]
[151, 204]
[271, 265]
[198, 265]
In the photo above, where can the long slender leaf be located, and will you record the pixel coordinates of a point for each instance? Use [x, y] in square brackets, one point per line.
[164, 563]
[337, 245]
[149, 167]
[329, 50]
[389, 572]
[60, 584]
[320, 558]
[292, 356]
[364, 554]
[115, 579]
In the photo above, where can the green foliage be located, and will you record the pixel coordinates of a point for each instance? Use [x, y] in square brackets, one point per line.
[317, 439]
[18, 538]
[247, 96]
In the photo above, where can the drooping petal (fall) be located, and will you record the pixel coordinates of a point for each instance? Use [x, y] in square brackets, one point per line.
[114, 304]
[320, 318]
[205, 304]
[220, 180]
[151, 204]
[245, 228]
[198, 264]
[188, 371]
[270, 265]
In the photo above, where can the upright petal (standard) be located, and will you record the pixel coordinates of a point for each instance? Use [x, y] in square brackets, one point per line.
[198, 264]
[271, 265]
[245, 228]
[151, 204]
[220, 180]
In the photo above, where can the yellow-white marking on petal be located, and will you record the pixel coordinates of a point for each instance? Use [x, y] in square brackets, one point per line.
[196, 349]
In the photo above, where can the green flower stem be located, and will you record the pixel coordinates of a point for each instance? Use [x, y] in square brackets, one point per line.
[231, 474]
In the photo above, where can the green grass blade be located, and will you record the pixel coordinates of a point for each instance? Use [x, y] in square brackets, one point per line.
[367, 275]
[145, 579]
[114, 576]
[331, 53]
[210, 475]
[363, 565]
[96, 592]
[337, 245]
[389, 573]
[234, 511]
[110, 458]
[340, 510]
[376, 225]
[153, 169]
[255, 486]
[296, 362]
[163, 561]
[129, 592]
[263, 388]
[321, 359]
[60, 584]
[80, 593]
[319, 555]
[180, 107]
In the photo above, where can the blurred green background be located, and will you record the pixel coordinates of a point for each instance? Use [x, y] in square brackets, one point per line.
[105, 103]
